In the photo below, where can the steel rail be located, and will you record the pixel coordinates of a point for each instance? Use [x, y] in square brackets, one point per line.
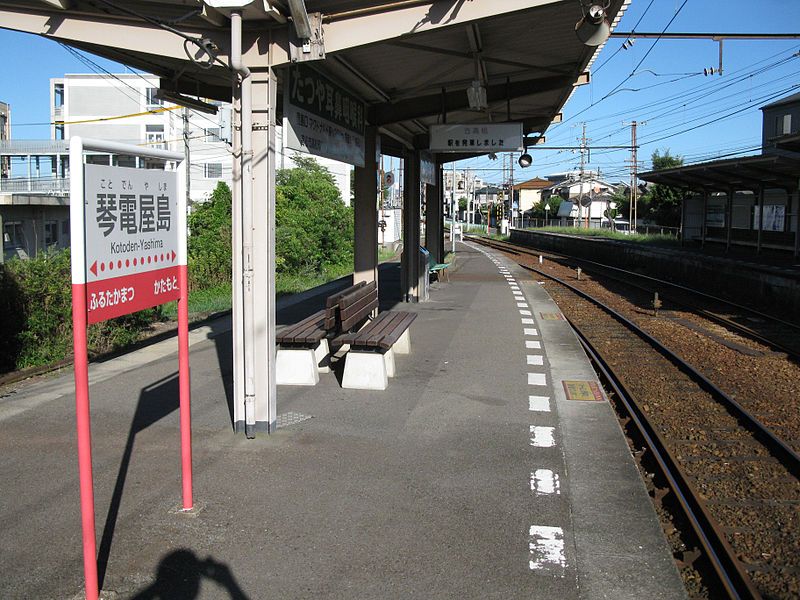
[727, 567]
[738, 327]
[777, 447]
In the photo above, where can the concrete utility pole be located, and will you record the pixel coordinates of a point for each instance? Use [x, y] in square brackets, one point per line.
[511, 187]
[583, 158]
[633, 213]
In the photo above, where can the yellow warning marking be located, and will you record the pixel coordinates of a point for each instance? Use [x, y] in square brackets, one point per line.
[585, 391]
[551, 316]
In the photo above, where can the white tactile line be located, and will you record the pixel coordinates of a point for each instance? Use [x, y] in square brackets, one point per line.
[535, 359]
[545, 482]
[527, 313]
[522, 305]
[530, 331]
[542, 437]
[532, 344]
[539, 403]
[527, 321]
[546, 547]
[537, 379]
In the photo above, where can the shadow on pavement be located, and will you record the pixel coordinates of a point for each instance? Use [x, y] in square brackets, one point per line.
[180, 574]
[155, 402]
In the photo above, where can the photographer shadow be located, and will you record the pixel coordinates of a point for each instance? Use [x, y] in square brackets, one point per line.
[180, 575]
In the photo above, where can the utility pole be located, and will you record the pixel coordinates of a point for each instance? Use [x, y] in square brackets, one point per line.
[633, 212]
[583, 163]
[511, 188]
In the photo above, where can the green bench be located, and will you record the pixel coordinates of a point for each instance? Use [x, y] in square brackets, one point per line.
[438, 268]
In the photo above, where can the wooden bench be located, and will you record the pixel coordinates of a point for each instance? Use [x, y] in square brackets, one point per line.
[303, 349]
[372, 342]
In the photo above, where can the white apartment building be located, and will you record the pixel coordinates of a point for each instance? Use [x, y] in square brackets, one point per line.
[124, 108]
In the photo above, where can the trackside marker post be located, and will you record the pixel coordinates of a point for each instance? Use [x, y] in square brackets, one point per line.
[128, 251]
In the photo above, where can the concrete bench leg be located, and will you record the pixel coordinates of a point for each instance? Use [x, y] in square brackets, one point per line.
[403, 345]
[322, 354]
[388, 359]
[296, 366]
[365, 371]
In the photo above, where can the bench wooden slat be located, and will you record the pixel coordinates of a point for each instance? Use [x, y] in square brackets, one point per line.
[377, 329]
[309, 330]
[405, 322]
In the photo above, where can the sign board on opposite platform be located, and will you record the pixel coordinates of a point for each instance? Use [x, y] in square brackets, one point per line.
[322, 118]
[132, 239]
[427, 168]
[476, 137]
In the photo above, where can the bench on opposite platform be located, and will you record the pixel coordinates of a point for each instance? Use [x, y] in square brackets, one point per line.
[303, 349]
[372, 342]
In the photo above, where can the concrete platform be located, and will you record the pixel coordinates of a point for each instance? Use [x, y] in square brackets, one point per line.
[471, 476]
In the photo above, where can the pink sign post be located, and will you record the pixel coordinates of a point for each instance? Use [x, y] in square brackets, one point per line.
[128, 244]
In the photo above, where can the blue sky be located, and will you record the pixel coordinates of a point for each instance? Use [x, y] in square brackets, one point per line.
[667, 90]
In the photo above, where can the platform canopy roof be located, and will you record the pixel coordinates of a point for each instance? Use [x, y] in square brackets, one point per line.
[411, 61]
[746, 173]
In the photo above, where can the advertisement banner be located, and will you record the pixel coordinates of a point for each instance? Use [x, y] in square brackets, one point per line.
[322, 118]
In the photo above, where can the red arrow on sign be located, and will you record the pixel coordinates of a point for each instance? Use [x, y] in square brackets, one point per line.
[173, 256]
[93, 268]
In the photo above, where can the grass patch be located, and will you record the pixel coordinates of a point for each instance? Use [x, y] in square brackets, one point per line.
[638, 238]
[202, 303]
[386, 253]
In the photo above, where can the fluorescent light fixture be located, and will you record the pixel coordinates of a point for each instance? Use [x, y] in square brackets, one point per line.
[593, 29]
[186, 101]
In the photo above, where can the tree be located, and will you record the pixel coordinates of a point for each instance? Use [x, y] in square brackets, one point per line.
[313, 227]
[663, 202]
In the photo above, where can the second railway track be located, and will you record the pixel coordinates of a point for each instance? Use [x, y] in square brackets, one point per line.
[739, 471]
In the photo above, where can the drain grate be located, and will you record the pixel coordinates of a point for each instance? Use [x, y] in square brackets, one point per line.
[291, 418]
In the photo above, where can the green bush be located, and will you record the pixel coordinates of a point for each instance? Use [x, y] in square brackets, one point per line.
[37, 324]
[314, 229]
[209, 244]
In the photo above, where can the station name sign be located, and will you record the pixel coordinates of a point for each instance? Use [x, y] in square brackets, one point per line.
[132, 238]
[476, 137]
[322, 118]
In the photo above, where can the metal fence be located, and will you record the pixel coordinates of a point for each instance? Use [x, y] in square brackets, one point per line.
[35, 185]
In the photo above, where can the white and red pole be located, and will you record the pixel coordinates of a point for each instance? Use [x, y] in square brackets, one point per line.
[81, 365]
[183, 345]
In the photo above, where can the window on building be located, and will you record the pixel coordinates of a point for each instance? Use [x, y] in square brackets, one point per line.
[13, 235]
[212, 170]
[65, 228]
[154, 136]
[211, 134]
[51, 233]
[59, 131]
[783, 124]
[152, 100]
[58, 95]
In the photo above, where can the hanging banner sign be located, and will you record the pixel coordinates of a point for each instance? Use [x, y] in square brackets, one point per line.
[322, 118]
[476, 137]
[132, 239]
[427, 168]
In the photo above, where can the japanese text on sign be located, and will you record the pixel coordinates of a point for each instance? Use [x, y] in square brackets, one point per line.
[487, 137]
[311, 92]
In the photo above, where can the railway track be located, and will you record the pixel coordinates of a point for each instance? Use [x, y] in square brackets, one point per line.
[777, 334]
[736, 480]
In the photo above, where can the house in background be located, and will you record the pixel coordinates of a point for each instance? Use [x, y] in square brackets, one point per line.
[571, 197]
[529, 193]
